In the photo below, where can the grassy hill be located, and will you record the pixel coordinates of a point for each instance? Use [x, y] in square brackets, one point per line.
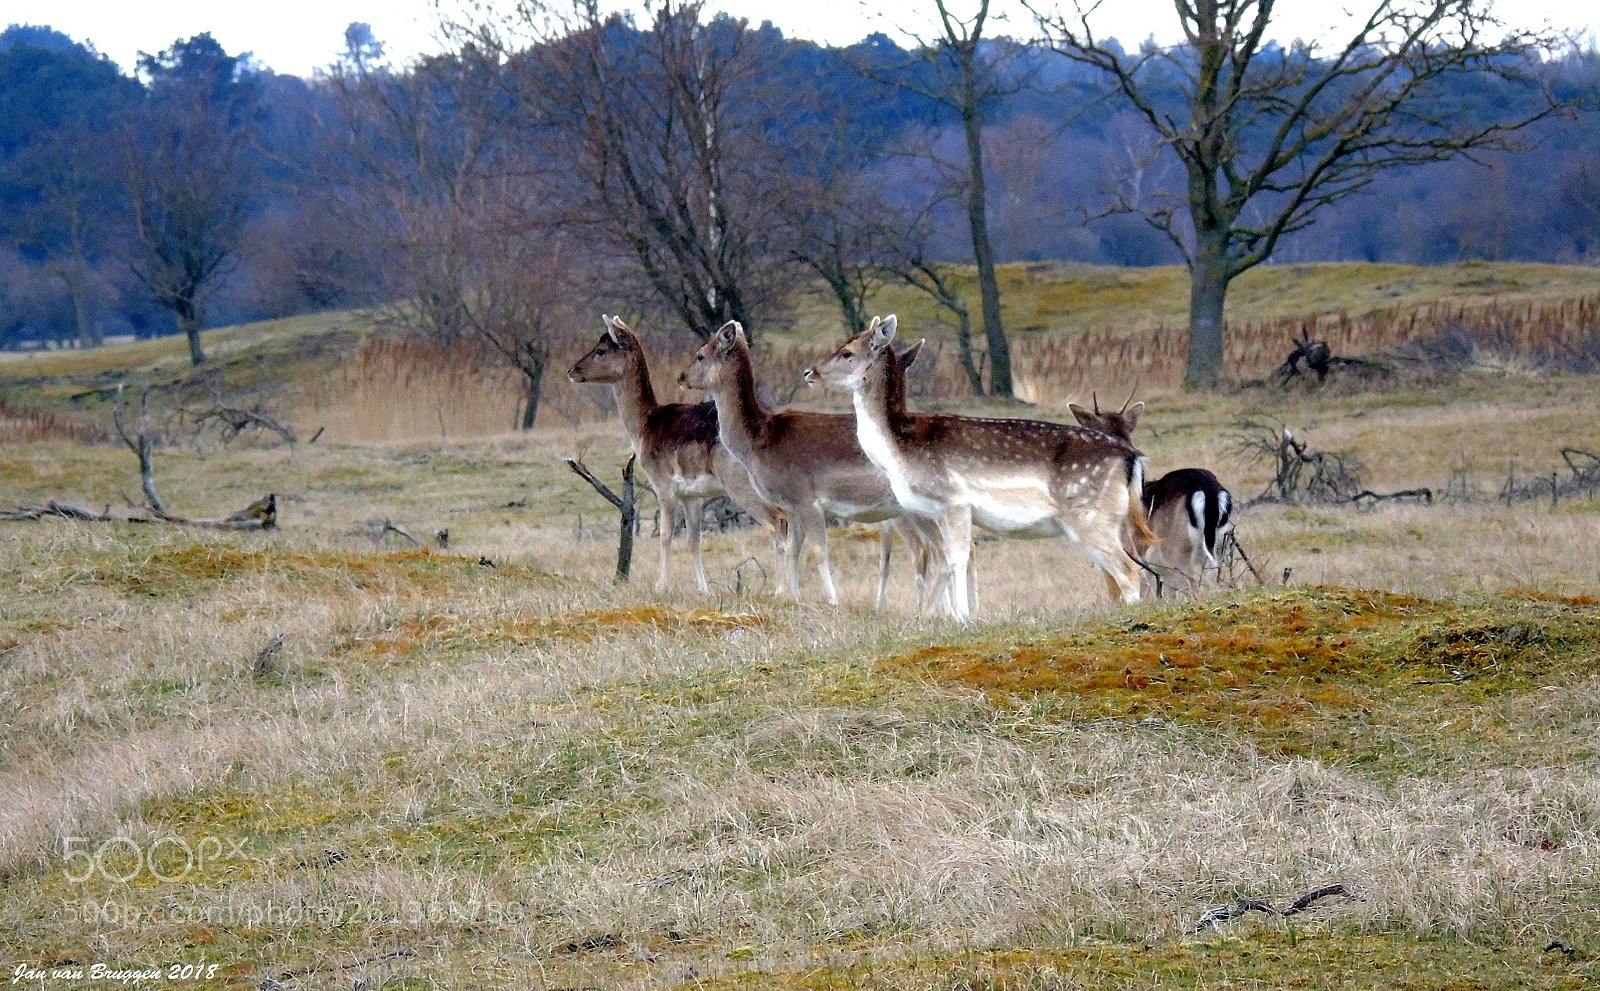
[491, 766]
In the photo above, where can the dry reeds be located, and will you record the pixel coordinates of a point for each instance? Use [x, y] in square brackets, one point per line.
[1537, 337]
[22, 425]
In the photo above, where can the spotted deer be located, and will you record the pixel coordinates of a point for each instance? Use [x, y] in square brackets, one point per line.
[1188, 509]
[677, 447]
[807, 464]
[1016, 478]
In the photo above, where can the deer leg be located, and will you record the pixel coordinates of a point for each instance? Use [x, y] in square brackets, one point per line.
[822, 566]
[955, 528]
[669, 513]
[780, 548]
[1122, 572]
[972, 579]
[798, 526]
[694, 512]
[885, 553]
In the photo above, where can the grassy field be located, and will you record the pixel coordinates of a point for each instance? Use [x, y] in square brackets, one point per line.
[493, 767]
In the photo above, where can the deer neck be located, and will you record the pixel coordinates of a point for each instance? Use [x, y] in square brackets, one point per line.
[880, 405]
[740, 418]
[636, 399]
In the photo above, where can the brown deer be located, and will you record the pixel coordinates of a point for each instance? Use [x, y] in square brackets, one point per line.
[1188, 509]
[1016, 478]
[807, 464]
[677, 447]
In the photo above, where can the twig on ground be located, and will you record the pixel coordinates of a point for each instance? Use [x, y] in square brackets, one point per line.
[266, 657]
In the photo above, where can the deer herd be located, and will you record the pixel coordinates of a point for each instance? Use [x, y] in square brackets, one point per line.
[930, 477]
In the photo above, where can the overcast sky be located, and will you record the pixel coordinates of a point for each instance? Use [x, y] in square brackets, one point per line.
[298, 36]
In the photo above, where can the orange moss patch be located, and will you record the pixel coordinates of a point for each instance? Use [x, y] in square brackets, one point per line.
[1538, 596]
[446, 631]
[1257, 665]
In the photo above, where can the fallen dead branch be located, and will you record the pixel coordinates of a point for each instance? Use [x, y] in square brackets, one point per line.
[63, 510]
[1301, 474]
[1244, 906]
[259, 515]
[234, 420]
[389, 527]
[1422, 495]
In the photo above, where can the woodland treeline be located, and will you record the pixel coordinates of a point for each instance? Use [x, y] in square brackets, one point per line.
[685, 169]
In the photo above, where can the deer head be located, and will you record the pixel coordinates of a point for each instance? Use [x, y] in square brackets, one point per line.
[711, 365]
[610, 357]
[1118, 424]
[847, 367]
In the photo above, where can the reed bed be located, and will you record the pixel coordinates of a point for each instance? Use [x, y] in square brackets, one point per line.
[23, 425]
[408, 388]
[1049, 370]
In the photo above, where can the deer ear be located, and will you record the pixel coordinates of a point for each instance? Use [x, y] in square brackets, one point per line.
[726, 334]
[909, 355]
[1130, 416]
[611, 332]
[1084, 417]
[883, 333]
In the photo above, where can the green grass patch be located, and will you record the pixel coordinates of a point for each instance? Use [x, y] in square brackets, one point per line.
[1266, 958]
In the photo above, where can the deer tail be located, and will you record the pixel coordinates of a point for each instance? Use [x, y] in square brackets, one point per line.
[1138, 519]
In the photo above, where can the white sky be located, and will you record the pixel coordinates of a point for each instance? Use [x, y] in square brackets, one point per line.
[297, 36]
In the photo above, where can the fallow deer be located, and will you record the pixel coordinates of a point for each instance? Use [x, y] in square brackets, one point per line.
[1016, 478]
[1188, 509]
[677, 447]
[807, 464]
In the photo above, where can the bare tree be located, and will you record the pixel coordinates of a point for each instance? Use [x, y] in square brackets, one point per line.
[908, 261]
[188, 179]
[834, 210]
[672, 140]
[960, 72]
[1268, 137]
[440, 179]
[67, 175]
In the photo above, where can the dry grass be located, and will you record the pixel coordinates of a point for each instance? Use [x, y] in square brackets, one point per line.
[515, 773]
[531, 777]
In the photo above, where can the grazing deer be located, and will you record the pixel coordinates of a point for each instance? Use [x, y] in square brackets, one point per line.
[1188, 509]
[677, 446]
[807, 464]
[1016, 478]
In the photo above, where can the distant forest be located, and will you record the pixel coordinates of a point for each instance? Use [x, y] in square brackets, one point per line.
[95, 166]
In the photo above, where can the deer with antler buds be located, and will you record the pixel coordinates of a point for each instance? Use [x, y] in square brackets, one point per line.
[676, 444]
[1016, 478]
[1188, 509]
[807, 464]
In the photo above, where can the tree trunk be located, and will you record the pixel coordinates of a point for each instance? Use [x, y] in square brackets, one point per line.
[77, 277]
[189, 323]
[964, 349]
[1208, 291]
[983, 253]
[530, 409]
